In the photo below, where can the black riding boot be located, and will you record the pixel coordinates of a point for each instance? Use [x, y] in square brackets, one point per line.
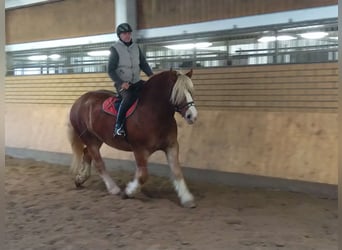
[120, 124]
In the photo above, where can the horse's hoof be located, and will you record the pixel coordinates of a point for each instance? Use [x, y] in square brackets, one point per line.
[189, 204]
[115, 191]
[79, 181]
[78, 185]
[124, 196]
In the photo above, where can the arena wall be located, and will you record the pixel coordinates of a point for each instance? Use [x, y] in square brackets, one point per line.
[275, 121]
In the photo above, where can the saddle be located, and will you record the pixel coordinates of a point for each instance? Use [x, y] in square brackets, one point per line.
[111, 106]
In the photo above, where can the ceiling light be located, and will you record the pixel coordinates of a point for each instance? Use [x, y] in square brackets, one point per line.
[202, 45]
[314, 35]
[285, 38]
[99, 53]
[186, 46]
[54, 56]
[266, 39]
[38, 57]
[181, 46]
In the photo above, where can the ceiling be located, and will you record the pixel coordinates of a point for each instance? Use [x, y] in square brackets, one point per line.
[18, 3]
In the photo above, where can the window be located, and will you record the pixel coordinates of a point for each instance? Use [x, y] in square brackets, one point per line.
[291, 43]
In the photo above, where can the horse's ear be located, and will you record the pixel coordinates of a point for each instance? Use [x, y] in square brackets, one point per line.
[171, 69]
[189, 74]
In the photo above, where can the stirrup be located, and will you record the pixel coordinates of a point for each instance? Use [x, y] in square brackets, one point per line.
[119, 132]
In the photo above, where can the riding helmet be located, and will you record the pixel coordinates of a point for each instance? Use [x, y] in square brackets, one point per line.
[123, 27]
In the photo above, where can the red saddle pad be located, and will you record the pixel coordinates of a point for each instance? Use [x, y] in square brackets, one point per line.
[109, 107]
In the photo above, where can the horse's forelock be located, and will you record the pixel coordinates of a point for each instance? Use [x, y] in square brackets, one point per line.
[182, 84]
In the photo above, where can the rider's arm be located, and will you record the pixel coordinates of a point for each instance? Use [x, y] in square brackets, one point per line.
[112, 66]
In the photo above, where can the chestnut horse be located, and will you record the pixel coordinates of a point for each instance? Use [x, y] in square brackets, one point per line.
[151, 127]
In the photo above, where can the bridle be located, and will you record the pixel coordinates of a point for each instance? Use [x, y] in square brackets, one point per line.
[184, 108]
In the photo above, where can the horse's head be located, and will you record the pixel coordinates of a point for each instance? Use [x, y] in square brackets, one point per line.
[181, 97]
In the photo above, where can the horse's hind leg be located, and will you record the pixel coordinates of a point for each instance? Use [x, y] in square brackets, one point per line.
[94, 151]
[84, 170]
[80, 165]
[186, 198]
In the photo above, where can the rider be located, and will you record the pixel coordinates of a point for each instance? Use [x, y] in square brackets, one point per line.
[124, 65]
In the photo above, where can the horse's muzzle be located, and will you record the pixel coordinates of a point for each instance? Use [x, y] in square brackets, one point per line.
[191, 115]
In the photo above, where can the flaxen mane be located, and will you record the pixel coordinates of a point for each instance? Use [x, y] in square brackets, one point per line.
[182, 84]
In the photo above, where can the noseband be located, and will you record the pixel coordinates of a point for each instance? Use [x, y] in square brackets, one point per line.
[184, 108]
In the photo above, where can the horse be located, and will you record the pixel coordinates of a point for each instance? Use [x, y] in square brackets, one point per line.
[150, 128]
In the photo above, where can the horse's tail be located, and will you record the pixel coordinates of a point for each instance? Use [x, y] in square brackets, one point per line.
[77, 147]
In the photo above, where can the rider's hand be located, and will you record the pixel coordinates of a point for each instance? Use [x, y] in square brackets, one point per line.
[125, 85]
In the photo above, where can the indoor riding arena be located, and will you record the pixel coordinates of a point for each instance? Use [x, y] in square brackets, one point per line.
[260, 163]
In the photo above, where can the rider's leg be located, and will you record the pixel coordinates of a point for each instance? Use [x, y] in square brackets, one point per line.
[124, 106]
[117, 102]
[119, 125]
[129, 96]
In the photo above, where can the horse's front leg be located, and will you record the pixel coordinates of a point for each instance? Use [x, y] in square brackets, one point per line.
[186, 198]
[141, 174]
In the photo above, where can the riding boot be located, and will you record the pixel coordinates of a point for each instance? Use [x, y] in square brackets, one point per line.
[119, 125]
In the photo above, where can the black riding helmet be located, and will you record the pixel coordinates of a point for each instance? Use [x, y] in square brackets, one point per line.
[123, 27]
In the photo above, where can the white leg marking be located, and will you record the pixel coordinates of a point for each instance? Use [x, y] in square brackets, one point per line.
[110, 184]
[186, 198]
[182, 191]
[132, 187]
